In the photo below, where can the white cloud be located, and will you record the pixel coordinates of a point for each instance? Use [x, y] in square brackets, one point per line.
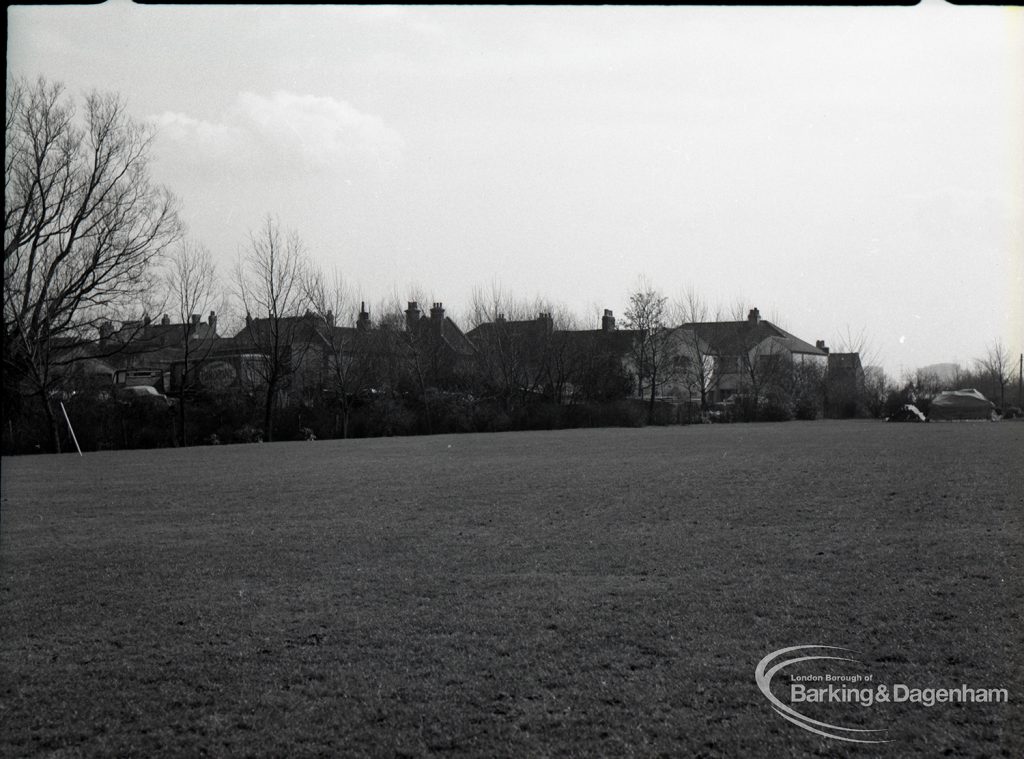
[285, 134]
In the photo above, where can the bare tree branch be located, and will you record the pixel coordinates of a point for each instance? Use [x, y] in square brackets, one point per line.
[269, 279]
[648, 314]
[191, 283]
[997, 365]
[83, 224]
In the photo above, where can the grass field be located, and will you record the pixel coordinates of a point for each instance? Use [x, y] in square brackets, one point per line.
[588, 592]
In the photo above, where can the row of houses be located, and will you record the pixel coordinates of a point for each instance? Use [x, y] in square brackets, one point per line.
[706, 362]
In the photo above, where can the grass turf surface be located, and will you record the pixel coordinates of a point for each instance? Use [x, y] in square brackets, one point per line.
[585, 592]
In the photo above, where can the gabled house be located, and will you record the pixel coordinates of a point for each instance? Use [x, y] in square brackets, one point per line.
[529, 358]
[753, 355]
[689, 368]
[288, 352]
[439, 350]
[309, 355]
[297, 354]
[514, 355]
[609, 369]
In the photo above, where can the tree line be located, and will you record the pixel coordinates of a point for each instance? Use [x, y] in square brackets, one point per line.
[90, 238]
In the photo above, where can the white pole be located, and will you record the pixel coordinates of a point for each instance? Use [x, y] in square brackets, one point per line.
[70, 428]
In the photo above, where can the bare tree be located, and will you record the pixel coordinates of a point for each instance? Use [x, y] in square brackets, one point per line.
[997, 366]
[269, 278]
[765, 367]
[699, 373]
[859, 343]
[506, 360]
[399, 354]
[349, 363]
[960, 376]
[844, 385]
[390, 350]
[877, 387]
[562, 361]
[647, 314]
[191, 282]
[83, 223]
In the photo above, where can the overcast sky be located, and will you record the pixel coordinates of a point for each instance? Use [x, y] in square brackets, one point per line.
[844, 170]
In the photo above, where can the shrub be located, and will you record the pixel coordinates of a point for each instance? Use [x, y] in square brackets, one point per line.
[667, 413]
[543, 416]
[805, 409]
[383, 417]
[626, 413]
[248, 434]
[448, 412]
[775, 407]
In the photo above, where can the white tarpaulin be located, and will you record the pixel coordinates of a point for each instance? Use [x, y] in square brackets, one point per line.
[960, 404]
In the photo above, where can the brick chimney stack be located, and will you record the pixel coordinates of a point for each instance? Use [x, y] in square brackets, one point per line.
[607, 321]
[363, 322]
[412, 315]
[437, 318]
[754, 317]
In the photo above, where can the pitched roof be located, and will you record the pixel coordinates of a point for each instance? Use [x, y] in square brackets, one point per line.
[519, 328]
[521, 335]
[163, 333]
[735, 337]
[451, 336]
[619, 341]
[308, 328]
